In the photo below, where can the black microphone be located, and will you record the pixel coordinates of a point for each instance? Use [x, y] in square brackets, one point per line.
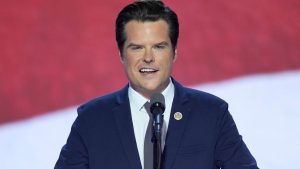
[157, 108]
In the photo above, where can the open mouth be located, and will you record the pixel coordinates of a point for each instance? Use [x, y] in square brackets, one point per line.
[147, 70]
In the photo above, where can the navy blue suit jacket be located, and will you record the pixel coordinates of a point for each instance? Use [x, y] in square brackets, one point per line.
[102, 136]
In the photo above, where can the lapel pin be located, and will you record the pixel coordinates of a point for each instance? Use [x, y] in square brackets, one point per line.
[178, 116]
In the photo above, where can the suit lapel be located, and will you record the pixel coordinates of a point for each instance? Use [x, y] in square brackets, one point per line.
[125, 127]
[176, 127]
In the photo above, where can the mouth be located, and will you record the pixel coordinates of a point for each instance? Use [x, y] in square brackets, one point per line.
[148, 70]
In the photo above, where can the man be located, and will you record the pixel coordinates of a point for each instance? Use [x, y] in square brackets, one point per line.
[109, 131]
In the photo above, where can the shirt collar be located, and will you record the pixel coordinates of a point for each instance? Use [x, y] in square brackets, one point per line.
[136, 98]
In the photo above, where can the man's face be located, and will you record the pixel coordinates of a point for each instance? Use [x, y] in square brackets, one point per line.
[148, 56]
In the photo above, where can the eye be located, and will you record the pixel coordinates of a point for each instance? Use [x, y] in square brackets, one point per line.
[135, 47]
[160, 46]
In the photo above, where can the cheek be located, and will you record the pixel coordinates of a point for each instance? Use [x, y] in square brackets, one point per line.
[130, 65]
[168, 63]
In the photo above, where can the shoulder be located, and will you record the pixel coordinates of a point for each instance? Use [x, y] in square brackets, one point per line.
[99, 102]
[206, 103]
[207, 107]
[204, 97]
[198, 98]
[97, 112]
[191, 93]
[103, 103]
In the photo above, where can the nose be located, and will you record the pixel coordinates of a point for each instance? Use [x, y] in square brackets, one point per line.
[148, 56]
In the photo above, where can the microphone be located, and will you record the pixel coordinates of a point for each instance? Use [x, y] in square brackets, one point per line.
[157, 108]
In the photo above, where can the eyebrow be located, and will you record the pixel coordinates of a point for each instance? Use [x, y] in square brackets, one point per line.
[132, 44]
[160, 43]
[163, 43]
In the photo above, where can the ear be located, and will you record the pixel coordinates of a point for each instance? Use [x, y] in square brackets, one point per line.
[175, 55]
[121, 58]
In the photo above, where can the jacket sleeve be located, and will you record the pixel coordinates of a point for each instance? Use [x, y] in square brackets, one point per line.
[74, 154]
[231, 152]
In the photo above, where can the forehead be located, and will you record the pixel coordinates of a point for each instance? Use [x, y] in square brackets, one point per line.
[139, 29]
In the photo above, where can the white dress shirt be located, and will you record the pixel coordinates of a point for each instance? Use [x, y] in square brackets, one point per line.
[140, 117]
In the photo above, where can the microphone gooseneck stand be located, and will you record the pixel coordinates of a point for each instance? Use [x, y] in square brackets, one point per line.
[157, 148]
[157, 109]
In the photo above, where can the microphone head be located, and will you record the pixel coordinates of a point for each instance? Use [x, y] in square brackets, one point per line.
[157, 103]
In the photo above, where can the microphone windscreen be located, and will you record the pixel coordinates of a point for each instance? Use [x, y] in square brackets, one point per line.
[157, 97]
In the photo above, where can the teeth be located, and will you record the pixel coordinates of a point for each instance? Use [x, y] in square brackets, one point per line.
[147, 70]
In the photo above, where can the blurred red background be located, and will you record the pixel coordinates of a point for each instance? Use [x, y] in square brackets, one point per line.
[55, 54]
